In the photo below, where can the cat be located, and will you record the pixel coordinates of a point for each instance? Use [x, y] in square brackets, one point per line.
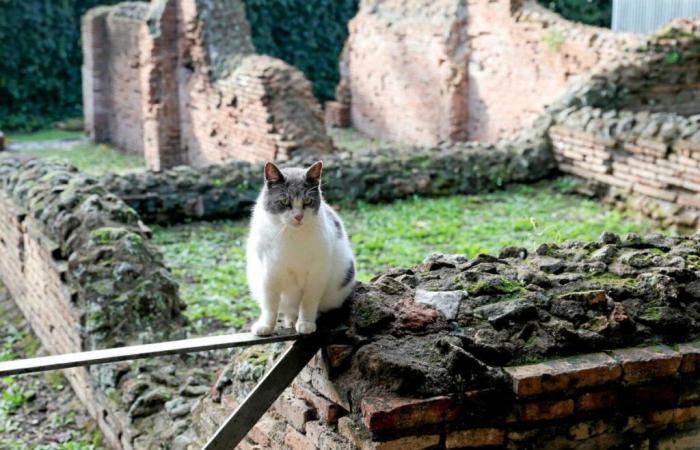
[299, 259]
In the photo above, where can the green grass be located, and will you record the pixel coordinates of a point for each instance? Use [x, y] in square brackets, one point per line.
[209, 259]
[44, 135]
[95, 159]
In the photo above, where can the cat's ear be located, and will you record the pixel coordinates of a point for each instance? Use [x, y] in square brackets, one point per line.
[313, 175]
[273, 174]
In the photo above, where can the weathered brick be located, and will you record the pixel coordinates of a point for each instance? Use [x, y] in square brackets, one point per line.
[562, 374]
[381, 413]
[691, 357]
[646, 363]
[327, 411]
[596, 400]
[675, 415]
[362, 438]
[661, 394]
[296, 440]
[320, 382]
[294, 410]
[477, 437]
[682, 440]
[338, 354]
[546, 410]
[323, 437]
[585, 430]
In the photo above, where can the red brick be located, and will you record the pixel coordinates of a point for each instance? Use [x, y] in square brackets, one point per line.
[294, 410]
[596, 400]
[361, 438]
[323, 437]
[675, 415]
[691, 357]
[327, 411]
[297, 441]
[477, 437]
[338, 354]
[548, 410]
[562, 374]
[381, 413]
[646, 363]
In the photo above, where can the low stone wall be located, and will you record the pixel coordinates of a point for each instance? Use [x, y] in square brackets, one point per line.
[642, 156]
[179, 82]
[459, 353]
[80, 266]
[229, 190]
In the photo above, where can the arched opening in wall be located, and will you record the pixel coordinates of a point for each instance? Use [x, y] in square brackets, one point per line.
[307, 35]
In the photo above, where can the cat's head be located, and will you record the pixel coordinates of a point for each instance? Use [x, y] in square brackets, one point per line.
[290, 196]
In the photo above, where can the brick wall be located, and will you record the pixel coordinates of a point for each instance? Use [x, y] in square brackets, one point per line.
[57, 228]
[406, 63]
[421, 72]
[448, 355]
[178, 81]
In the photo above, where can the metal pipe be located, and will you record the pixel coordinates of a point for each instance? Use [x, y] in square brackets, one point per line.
[46, 363]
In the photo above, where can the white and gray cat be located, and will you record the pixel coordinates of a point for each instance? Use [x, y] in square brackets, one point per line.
[299, 259]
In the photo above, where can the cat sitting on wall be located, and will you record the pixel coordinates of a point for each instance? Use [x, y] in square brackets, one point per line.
[299, 260]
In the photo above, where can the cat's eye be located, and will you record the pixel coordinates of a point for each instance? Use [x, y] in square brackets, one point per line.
[308, 202]
[283, 202]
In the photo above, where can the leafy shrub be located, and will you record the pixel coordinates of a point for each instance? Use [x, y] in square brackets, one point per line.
[591, 12]
[307, 34]
[40, 60]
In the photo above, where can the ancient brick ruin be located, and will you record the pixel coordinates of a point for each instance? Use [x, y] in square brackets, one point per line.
[581, 344]
[456, 70]
[179, 82]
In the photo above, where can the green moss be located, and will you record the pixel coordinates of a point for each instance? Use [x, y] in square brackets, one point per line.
[608, 278]
[107, 235]
[553, 39]
[693, 261]
[495, 286]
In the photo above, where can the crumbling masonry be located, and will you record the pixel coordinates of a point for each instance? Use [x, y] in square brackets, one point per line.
[179, 82]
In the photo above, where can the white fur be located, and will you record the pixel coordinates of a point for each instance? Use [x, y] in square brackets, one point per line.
[296, 270]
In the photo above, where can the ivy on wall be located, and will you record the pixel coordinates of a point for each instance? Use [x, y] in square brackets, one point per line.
[40, 60]
[591, 12]
[306, 34]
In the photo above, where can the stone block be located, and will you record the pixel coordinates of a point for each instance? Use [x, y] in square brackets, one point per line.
[381, 413]
[591, 401]
[691, 357]
[326, 410]
[477, 437]
[546, 410]
[646, 363]
[294, 440]
[294, 410]
[563, 374]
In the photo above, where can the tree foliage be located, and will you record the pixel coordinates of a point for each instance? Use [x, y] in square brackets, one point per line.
[591, 12]
[40, 60]
[307, 34]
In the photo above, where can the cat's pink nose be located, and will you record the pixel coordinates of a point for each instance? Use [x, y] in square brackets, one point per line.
[298, 217]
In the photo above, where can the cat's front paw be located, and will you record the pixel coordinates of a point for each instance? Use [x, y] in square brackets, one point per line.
[304, 327]
[262, 329]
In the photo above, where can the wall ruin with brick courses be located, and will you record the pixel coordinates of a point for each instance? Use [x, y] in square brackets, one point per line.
[178, 81]
[444, 355]
[229, 190]
[635, 146]
[79, 265]
[488, 71]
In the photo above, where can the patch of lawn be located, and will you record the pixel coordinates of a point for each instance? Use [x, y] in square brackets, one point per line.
[208, 259]
[44, 135]
[95, 159]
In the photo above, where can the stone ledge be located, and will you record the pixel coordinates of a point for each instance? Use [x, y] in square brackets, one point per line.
[647, 363]
[563, 374]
